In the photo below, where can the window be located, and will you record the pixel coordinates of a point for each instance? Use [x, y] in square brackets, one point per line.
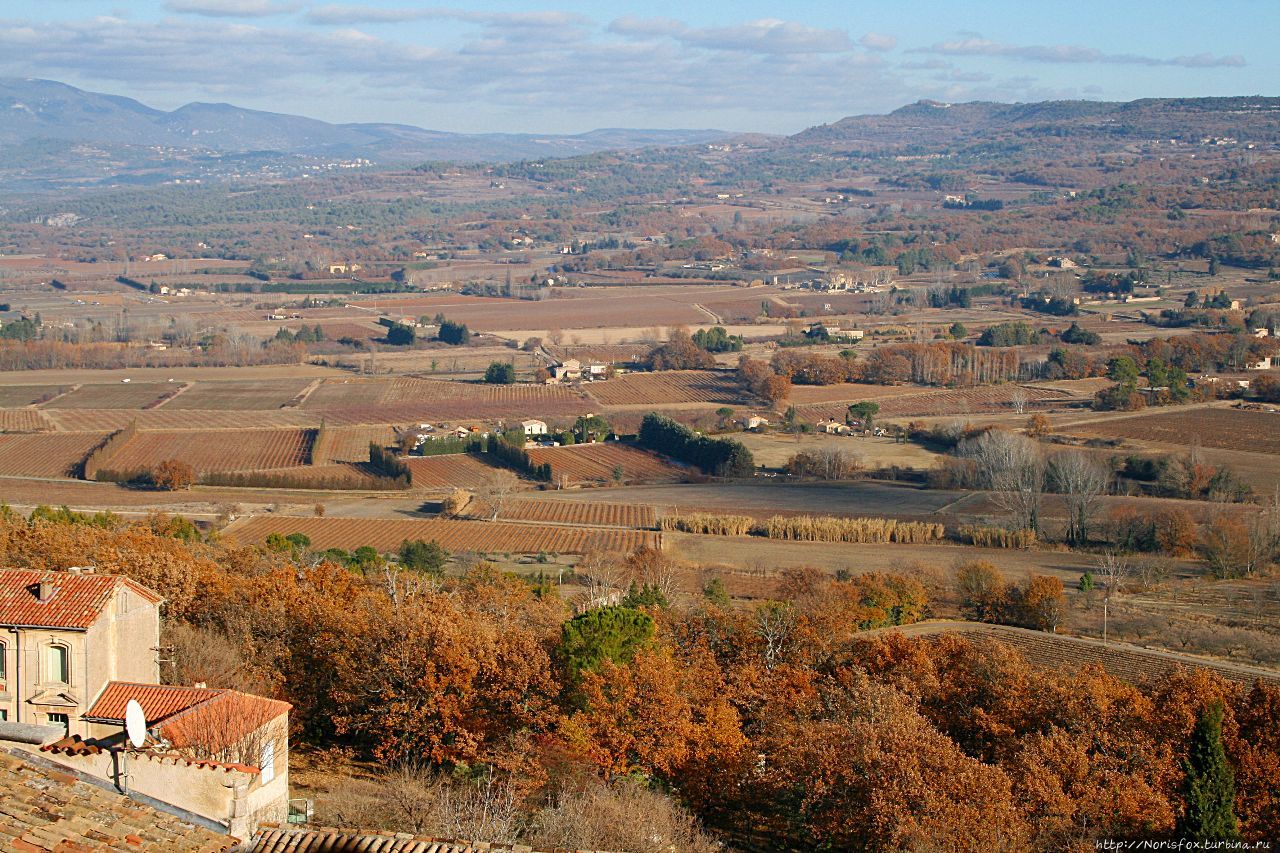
[4, 715]
[4, 663]
[61, 720]
[59, 664]
[267, 762]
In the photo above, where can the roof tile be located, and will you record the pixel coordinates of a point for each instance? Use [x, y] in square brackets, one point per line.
[76, 603]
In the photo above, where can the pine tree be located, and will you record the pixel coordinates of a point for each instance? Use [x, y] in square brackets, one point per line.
[1209, 792]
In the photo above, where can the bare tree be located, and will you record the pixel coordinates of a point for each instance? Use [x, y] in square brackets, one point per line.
[1082, 480]
[604, 574]
[496, 490]
[1113, 571]
[1018, 398]
[775, 623]
[1012, 467]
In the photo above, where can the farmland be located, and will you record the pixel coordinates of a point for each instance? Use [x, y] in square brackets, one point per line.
[120, 395]
[590, 513]
[963, 401]
[475, 536]
[1223, 428]
[246, 395]
[452, 471]
[210, 451]
[45, 454]
[666, 388]
[602, 462]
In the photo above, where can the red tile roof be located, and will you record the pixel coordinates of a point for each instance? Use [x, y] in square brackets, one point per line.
[273, 838]
[78, 746]
[211, 718]
[51, 810]
[76, 603]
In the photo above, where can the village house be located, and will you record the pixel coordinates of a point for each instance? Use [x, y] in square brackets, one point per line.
[757, 422]
[78, 647]
[534, 427]
[570, 370]
[343, 268]
[1263, 363]
[65, 635]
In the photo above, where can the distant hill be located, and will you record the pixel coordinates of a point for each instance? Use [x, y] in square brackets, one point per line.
[930, 124]
[43, 111]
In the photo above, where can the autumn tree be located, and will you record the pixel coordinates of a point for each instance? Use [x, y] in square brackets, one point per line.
[173, 474]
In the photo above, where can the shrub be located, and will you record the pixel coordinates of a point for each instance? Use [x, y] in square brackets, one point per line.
[997, 537]
[809, 528]
[717, 525]
[723, 457]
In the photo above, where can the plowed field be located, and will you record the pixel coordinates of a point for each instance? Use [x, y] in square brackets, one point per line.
[118, 395]
[108, 420]
[350, 444]
[575, 512]
[210, 450]
[481, 536]
[13, 396]
[666, 387]
[45, 454]
[23, 420]
[453, 471]
[596, 462]
[959, 401]
[1229, 429]
[248, 395]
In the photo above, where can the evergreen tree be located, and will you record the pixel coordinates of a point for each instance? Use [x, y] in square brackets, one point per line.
[1209, 791]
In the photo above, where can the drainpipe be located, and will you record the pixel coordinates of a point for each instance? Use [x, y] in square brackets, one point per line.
[17, 674]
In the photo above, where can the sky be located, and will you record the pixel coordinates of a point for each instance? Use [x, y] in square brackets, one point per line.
[567, 66]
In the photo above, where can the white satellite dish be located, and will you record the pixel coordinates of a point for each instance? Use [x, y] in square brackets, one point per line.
[135, 723]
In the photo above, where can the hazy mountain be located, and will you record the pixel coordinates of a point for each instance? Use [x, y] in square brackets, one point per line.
[42, 120]
[932, 123]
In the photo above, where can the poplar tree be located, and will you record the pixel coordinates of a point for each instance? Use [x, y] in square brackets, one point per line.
[1209, 791]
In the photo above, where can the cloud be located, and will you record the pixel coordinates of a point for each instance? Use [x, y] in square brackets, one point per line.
[878, 41]
[1072, 54]
[649, 73]
[765, 36]
[231, 8]
[341, 14]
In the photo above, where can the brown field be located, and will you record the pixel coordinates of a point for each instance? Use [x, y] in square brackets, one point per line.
[408, 400]
[210, 451]
[107, 420]
[120, 395]
[337, 475]
[960, 401]
[772, 450]
[597, 462]
[850, 392]
[666, 387]
[588, 513]
[607, 353]
[768, 496]
[476, 536]
[45, 454]
[250, 394]
[350, 443]
[452, 471]
[24, 420]
[15, 396]
[1227, 429]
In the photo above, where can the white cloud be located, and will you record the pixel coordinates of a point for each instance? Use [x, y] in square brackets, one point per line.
[231, 8]
[878, 41]
[1072, 54]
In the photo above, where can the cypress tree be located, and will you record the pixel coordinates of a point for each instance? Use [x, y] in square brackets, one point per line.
[1209, 791]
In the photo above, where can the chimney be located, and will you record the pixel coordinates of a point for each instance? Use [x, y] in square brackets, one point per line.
[45, 591]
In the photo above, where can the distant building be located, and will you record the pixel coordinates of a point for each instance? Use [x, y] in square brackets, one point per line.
[570, 370]
[342, 268]
[1263, 363]
[534, 427]
[757, 422]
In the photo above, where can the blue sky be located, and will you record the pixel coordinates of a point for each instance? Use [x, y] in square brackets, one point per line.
[562, 66]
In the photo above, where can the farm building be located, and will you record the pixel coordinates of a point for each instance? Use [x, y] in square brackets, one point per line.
[534, 427]
[569, 370]
[757, 422]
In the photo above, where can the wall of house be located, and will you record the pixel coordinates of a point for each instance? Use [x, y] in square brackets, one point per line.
[215, 793]
[29, 677]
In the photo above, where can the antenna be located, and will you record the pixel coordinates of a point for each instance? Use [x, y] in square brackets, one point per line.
[135, 723]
